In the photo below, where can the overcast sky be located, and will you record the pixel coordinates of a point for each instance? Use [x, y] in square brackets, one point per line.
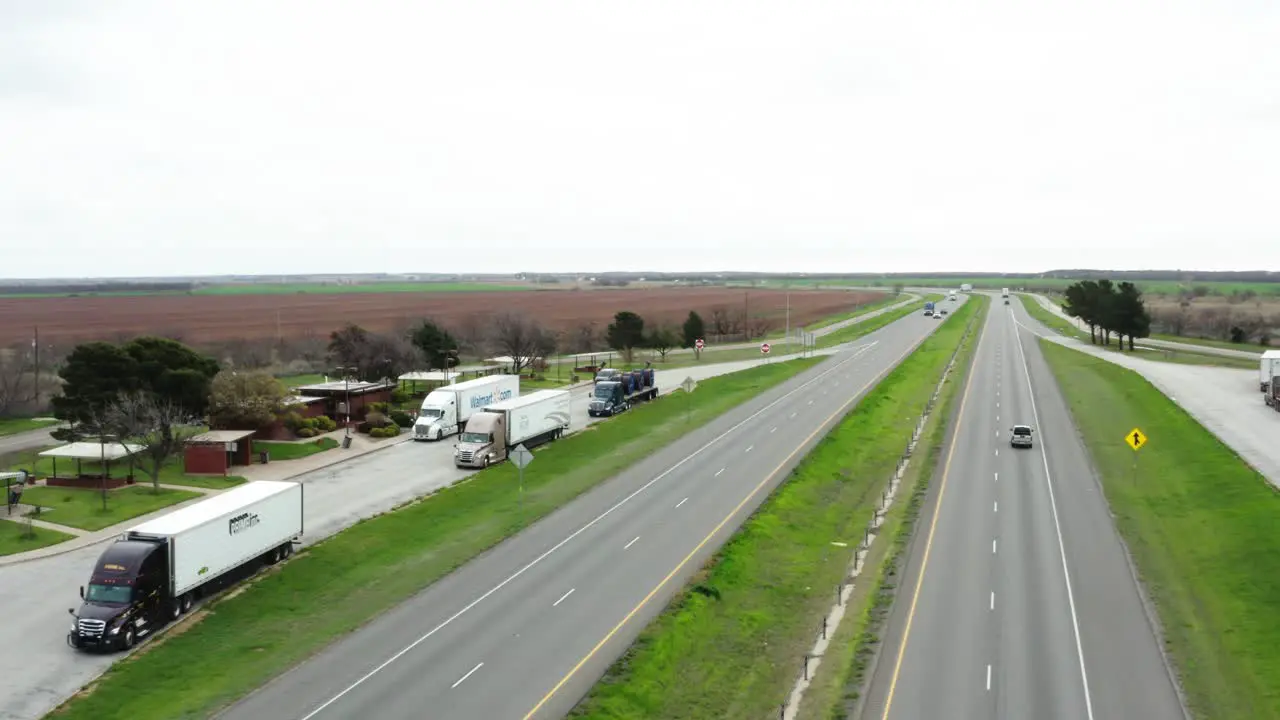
[182, 138]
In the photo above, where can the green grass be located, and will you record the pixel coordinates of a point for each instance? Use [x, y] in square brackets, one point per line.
[732, 645]
[1207, 342]
[170, 473]
[294, 450]
[338, 585]
[1182, 357]
[857, 330]
[838, 683]
[14, 538]
[1201, 526]
[12, 426]
[82, 508]
[373, 287]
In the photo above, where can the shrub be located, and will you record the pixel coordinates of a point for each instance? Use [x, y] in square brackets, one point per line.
[292, 421]
[400, 396]
[364, 427]
[388, 431]
[325, 424]
[307, 432]
[401, 418]
[377, 418]
[379, 407]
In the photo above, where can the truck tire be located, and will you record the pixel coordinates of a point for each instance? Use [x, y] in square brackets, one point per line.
[439, 434]
[485, 462]
[175, 609]
[127, 637]
[185, 601]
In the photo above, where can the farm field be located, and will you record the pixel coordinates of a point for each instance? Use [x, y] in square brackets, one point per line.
[211, 318]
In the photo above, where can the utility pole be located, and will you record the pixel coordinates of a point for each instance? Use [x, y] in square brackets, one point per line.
[787, 335]
[35, 346]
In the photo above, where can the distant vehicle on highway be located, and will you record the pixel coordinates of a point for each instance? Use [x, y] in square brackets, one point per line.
[1021, 436]
[928, 309]
[937, 316]
[943, 311]
[967, 287]
[153, 573]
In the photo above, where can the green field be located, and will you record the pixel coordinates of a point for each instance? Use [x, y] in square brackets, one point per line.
[82, 508]
[1184, 357]
[14, 538]
[732, 645]
[294, 450]
[1201, 526]
[1150, 287]
[13, 426]
[339, 584]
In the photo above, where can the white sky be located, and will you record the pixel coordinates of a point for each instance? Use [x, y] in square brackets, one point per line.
[168, 138]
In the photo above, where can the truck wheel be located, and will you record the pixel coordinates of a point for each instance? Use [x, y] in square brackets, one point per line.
[486, 461]
[185, 600]
[439, 435]
[288, 550]
[175, 609]
[127, 637]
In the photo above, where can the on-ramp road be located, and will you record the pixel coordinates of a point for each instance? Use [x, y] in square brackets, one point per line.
[1018, 600]
[526, 629]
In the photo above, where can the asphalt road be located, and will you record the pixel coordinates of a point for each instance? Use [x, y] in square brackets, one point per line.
[1226, 401]
[38, 670]
[534, 622]
[1018, 598]
[18, 442]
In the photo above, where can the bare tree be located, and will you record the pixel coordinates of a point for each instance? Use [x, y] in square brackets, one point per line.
[721, 324]
[249, 354]
[1215, 322]
[161, 427]
[519, 337]
[470, 334]
[15, 387]
[759, 326]
[584, 338]
[1172, 320]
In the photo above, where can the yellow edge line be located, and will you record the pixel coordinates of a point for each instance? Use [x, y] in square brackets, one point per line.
[705, 540]
[933, 525]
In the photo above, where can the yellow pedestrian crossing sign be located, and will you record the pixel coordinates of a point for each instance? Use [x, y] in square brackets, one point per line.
[1136, 439]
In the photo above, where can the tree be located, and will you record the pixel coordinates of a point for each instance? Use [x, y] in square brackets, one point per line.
[721, 325]
[1108, 308]
[625, 333]
[584, 338]
[96, 374]
[692, 331]
[245, 400]
[519, 337]
[662, 339]
[14, 390]
[1130, 314]
[438, 346]
[159, 425]
[348, 347]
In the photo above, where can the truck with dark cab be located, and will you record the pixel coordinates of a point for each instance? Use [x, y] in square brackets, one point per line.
[619, 393]
[153, 573]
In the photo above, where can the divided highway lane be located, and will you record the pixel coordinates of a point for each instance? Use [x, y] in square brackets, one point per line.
[990, 624]
[536, 621]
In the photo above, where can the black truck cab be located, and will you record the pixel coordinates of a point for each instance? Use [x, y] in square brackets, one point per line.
[127, 597]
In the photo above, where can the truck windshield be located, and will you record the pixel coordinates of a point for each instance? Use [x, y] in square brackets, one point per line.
[604, 392]
[108, 594]
[470, 437]
[431, 413]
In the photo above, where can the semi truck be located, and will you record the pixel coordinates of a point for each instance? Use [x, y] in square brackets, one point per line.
[966, 287]
[152, 574]
[928, 309]
[1270, 367]
[494, 431]
[446, 410]
[618, 394]
[1272, 398]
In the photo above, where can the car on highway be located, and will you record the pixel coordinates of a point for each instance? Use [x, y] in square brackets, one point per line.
[1021, 436]
[937, 315]
[943, 311]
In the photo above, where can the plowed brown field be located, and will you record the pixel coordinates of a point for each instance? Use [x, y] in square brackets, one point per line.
[209, 318]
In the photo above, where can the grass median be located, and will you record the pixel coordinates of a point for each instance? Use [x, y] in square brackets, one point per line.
[83, 507]
[870, 325]
[1201, 527]
[13, 426]
[732, 645]
[343, 582]
[838, 684]
[16, 538]
[294, 450]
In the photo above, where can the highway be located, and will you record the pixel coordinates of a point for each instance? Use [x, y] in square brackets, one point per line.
[1018, 600]
[525, 630]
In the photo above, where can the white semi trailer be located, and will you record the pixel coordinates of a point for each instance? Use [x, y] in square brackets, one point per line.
[152, 574]
[492, 434]
[446, 410]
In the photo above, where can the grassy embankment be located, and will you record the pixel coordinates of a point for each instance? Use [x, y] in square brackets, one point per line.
[1187, 357]
[82, 508]
[13, 426]
[338, 585]
[732, 646]
[1201, 527]
[839, 681]
[15, 539]
[857, 330]
[294, 450]
[171, 473]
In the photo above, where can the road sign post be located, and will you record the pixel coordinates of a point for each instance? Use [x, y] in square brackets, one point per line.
[688, 385]
[764, 348]
[698, 345]
[1136, 440]
[521, 457]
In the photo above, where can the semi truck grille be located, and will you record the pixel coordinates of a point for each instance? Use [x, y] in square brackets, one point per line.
[466, 456]
[92, 627]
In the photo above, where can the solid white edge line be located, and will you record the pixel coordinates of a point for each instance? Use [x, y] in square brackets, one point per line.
[633, 542]
[464, 677]
[581, 530]
[988, 677]
[719, 471]
[749, 448]
[993, 599]
[562, 597]
[682, 502]
[996, 506]
[993, 547]
[1057, 526]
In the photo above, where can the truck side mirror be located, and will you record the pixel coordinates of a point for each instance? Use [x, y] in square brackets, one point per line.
[71, 611]
[81, 592]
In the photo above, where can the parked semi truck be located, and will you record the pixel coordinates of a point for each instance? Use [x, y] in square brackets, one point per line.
[151, 575]
[492, 433]
[618, 394]
[1270, 368]
[446, 410]
[1272, 398]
